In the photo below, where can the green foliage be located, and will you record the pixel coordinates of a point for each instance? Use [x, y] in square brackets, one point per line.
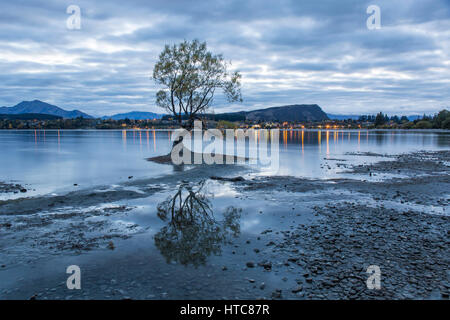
[396, 119]
[446, 124]
[423, 124]
[223, 124]
[190, 76]
[407, 125]
[380, 119]
[404, 119]
[77, 123]
[440, 119]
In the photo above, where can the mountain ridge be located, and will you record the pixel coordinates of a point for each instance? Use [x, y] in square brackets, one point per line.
[40, 107]
[296, 112]
[134, 115]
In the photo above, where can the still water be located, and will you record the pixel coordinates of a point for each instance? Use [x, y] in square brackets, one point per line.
[54, 160]
[190, 238]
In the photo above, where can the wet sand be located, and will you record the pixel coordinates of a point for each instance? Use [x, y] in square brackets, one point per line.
[315, 239]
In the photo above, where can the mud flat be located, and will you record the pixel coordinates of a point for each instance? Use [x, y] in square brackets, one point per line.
[11, 188]
[299, 238]
[401, 225]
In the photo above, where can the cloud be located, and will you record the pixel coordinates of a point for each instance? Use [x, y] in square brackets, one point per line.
[288, 52]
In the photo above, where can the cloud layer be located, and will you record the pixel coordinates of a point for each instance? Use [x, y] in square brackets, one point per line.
[287, 51]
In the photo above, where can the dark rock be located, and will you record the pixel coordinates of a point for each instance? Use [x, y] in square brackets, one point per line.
[276, 294]
[234, 179]
[266, 265]
[297, 289]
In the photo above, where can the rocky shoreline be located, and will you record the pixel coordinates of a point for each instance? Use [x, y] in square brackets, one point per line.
[11, 188]
[390, 224]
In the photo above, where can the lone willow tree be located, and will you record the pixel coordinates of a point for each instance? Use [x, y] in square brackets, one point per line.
[190, 76]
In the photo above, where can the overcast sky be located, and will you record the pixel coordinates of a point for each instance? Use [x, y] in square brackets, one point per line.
[289, 52]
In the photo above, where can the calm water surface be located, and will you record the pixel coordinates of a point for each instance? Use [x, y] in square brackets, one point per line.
[55, 160]
[177, 256]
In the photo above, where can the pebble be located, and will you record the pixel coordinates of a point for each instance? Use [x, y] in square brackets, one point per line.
[277, 294]
[297, 289]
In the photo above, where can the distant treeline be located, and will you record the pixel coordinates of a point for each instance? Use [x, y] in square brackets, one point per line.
[78, 123]
[233, 116]
[29, 116]
[440, 120]
[232, 120]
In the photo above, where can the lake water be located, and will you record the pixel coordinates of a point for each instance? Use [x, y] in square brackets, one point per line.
[159, 255]
[49, 161]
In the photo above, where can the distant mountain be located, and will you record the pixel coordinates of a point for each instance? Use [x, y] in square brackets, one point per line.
[37, 106]
[296, 112]
[343, 116]
[29, 116]
[231, 116]
[135, 115]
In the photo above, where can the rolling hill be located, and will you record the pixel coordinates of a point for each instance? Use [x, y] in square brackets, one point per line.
[135, 115]
[37, 106]
[297, 112]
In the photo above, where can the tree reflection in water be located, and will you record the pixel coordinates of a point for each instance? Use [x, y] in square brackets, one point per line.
[192, 233]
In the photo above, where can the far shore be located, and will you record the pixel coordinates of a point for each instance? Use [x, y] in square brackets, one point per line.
[281, 129]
